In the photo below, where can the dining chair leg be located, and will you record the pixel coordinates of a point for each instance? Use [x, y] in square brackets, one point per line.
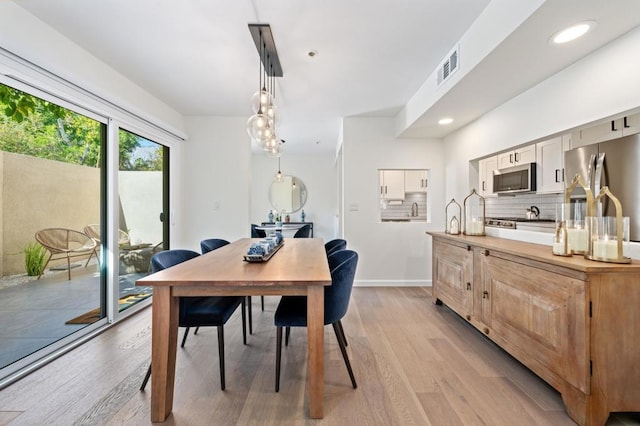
[286, 336]
[262, 302]
[250, 315]
[278, 356]
[184, 338]
[221, 354]
[146, 378]
[344, 338]
[69, 267]
[343, 349]
[244, 322]
[196, 332]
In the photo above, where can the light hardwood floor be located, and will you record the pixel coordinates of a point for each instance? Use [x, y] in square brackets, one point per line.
[415, 363]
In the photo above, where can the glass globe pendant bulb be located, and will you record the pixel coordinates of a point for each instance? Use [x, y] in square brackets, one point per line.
[261, 100]
[278, 177]
[271, 143]
[259, 127]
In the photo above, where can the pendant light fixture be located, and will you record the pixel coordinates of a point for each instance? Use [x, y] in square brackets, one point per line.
[258, 124]
[261, 126]
[278, 177]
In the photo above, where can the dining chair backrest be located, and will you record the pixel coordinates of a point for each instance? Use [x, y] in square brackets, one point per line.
[257, 233]
[342, 265]
[335, 245]
[303, 232]
[168, 258]
[211, 244]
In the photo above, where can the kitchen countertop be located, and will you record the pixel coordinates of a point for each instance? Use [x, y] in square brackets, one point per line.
[404, 219]
[537, 252]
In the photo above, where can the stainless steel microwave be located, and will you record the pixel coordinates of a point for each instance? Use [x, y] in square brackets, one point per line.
[515, 179]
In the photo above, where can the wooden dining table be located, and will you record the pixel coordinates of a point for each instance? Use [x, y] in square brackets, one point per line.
[299, 267]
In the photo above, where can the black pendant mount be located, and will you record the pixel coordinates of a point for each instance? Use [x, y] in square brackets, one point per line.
[262, 32]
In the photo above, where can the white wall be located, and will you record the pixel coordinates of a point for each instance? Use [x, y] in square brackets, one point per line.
[600, 85]
[391, 253]
[215, 169]
[318, 172]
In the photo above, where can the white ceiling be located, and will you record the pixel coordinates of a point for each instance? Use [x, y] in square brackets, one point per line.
[198, 56]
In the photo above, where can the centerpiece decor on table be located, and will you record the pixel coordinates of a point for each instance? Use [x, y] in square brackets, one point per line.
[262, 250]
[453, 214]
[474, 210]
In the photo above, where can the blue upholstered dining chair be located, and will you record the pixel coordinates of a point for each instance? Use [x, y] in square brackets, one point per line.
[257, 233]
[335, 245]
[207, 311]
[211, 244]
[303, 232]
[292, 310]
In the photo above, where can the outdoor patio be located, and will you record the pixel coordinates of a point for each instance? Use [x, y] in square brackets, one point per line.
[33, 313]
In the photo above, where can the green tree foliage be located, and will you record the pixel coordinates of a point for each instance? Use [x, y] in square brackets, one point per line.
[35, 127]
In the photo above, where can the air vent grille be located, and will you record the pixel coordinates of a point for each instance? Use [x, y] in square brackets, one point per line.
[448, 66]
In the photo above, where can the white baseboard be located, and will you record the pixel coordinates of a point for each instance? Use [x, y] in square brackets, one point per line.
[392, 283]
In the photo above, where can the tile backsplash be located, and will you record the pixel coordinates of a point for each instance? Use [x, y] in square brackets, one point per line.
[515, 206]
[403, 210]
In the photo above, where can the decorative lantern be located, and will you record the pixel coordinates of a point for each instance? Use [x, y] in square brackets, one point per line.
[453, 214]
[608, 234]
[574, 217]
[474, 214]
[561, 241]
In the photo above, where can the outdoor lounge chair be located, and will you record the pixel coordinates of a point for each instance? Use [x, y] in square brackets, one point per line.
[93, 232]
[65, 243]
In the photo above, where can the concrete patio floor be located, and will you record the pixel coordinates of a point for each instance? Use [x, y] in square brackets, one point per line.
[33, 313]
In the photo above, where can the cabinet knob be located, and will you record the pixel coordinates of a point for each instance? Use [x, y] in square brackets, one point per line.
[613, 126]
[625, 124]
[485, 294]
[486, 330]
[468, 317]
[468, 248]
[468, 286]
[485, 252]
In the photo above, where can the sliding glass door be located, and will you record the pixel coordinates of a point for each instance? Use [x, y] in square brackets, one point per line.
[52, 164]
[142, 193]
[70, 181]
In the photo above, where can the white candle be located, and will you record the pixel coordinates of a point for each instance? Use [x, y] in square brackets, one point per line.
[558, 248]
[474, 227]
[453, 226]
[605, 249]
[578, 238]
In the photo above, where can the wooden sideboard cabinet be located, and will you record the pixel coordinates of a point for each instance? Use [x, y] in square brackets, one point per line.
[574, 322]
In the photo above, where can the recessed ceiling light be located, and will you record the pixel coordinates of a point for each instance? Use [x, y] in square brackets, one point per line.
[573, 32]
[445, 121]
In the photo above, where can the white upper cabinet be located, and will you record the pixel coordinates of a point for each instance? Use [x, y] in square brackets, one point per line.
[415, 180]
[612, 129]
[486, 167]
[392, 184]
[524, 155]
[550, 165]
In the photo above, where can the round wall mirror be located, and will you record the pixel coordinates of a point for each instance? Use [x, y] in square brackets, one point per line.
[288, 195]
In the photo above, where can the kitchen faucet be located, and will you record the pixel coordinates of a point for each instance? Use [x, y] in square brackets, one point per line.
[414, 210]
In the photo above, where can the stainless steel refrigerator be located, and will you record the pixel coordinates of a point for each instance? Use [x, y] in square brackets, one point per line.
[616, 164]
